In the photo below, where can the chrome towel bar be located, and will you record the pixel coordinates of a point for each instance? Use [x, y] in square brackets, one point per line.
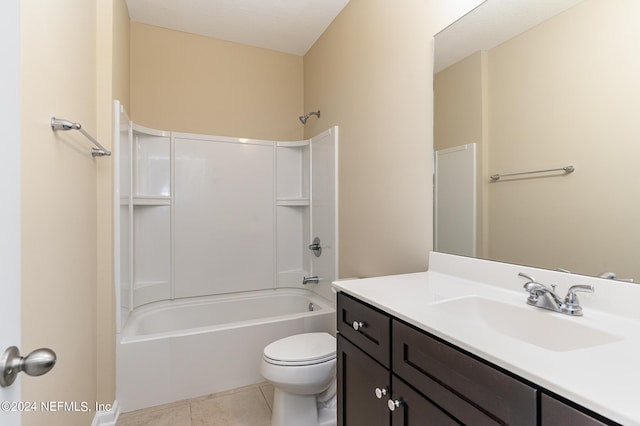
[566, 169]
[62, 124]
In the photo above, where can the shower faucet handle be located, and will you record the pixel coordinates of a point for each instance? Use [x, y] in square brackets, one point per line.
[316, 247]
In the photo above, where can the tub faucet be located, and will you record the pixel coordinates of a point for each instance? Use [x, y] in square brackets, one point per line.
[310, 280]
[544, 297]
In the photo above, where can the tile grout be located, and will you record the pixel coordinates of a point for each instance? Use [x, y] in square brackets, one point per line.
[264, 397]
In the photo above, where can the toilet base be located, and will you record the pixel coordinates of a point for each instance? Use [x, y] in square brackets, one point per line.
[299, 410]
[327, 417]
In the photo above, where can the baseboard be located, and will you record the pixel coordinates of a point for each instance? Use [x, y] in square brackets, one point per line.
[107, 417]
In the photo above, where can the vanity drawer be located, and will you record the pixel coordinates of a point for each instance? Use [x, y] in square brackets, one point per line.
[554, 412]
[474, 392]
[372, 330]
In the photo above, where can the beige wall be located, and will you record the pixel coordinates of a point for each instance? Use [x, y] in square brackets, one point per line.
[566, 92]
[371, 74]
[59, 203]
[458, 104]
[183, 82]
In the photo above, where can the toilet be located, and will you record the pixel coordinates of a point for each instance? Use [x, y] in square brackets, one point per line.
[302, 369]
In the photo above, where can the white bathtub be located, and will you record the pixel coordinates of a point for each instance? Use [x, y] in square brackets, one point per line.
[180, 349]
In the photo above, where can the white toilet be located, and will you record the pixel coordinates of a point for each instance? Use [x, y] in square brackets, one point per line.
[302, 369]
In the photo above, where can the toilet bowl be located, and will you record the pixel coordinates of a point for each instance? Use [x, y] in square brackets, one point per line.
[302, 369]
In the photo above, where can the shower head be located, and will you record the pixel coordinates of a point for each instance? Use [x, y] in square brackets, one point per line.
[304, 118]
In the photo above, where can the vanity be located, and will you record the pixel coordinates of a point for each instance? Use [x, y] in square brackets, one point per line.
[459, 344]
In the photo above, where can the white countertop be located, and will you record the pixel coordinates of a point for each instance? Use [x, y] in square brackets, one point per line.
[604, 378]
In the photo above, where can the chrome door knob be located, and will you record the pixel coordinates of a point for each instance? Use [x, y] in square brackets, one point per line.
[380, 392]
[36, 363]
[357, 325]
[393, 404]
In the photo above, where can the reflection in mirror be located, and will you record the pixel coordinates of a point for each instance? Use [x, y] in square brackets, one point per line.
[564, 91]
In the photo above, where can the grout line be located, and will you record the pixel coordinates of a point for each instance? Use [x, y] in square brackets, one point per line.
[190, 413]
[266, 401]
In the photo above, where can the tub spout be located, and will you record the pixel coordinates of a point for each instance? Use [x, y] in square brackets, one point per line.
[310, 280]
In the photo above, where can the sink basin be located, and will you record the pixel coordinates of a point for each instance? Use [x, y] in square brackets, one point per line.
[535, 326]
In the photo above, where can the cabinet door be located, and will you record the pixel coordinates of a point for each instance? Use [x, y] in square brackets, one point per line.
[358, 378]
[554, 413]
[414, 409]
[472, 391]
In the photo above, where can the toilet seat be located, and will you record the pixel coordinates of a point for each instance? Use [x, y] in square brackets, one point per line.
[301, 349]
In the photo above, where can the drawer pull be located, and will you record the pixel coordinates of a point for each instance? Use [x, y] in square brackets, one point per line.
[380, 392]
[357, 325]
[393, 404]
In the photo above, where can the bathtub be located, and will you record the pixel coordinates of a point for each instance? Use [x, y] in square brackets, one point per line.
[173, 350]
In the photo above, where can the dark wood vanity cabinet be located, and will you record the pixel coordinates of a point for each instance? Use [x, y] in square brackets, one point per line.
[367, 388]
[470, 390]
[391, 373]
[554, 413]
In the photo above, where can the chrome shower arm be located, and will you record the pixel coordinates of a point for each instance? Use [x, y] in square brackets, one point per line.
[303, 118]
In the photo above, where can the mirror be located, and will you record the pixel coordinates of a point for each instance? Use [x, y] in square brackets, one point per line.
[538, 85]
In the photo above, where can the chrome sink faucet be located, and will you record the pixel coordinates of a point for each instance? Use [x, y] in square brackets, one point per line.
[544, 297]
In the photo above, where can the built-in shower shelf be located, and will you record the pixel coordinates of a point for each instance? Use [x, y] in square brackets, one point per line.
[294, 144]
[152, 201]
[293, 202]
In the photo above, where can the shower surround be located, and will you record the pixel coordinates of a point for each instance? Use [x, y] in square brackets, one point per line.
[216, 223]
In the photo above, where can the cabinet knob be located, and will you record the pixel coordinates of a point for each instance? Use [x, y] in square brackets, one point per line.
[393, 404]
[380, 392]
[357, 325]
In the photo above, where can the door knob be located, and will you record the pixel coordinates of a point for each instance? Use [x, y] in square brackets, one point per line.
[36, 363]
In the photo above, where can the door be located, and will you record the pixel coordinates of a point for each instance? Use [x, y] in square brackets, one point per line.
[324, 204]
[455, 200]
[363, 387]
[410, 408]
[10, 190]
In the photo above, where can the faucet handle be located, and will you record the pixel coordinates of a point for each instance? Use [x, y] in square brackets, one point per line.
[529, 277]
[572, 297]
[571, 305]
[532, 286]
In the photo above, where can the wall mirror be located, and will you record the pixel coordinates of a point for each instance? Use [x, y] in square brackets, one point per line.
[535, 85]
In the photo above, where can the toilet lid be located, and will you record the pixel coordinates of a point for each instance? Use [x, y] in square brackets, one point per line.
[301, 349]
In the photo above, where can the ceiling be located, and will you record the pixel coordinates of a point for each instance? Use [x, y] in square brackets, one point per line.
[290, 26]
[491, 24]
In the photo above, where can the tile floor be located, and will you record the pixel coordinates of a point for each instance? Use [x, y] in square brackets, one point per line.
[246, 406]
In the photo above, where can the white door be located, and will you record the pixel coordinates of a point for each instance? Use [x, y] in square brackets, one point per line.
[455, 200]
[10, 190]
[324, 204]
